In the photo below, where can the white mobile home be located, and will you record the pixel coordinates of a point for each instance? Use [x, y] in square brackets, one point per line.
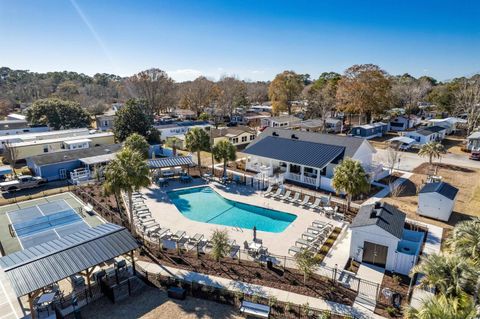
[436, 200]
[28, 137]
[450, 123]
[427, 135]
[178, 129]
[403, 123]
[280, 121]
[473, 141]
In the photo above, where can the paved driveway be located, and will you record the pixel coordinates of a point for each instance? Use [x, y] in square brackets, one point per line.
[408, 161]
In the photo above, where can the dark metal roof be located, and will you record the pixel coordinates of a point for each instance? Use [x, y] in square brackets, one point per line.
[170, 162]
[442, 188]
[72, 155]
[351, 144]
[296, 151]
[430, 130]
[435, 128]
[384, 216]
[44, 264]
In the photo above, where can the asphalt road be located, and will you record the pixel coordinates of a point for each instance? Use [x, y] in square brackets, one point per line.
[408, 161]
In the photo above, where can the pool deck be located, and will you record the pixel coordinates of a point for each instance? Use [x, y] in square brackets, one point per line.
[168, 216]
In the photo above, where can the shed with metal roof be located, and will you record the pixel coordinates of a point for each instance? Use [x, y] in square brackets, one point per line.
[437, 200]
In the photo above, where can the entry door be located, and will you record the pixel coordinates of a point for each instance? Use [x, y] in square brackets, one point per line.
[62, 173]
[375, 254]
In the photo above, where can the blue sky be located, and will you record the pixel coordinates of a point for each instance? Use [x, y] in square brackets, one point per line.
[250, 39]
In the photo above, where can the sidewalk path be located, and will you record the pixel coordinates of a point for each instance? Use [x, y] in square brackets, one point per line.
[386, 190]
[232, 285]
[367, 293]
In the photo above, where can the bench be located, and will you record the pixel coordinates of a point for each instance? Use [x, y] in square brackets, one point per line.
[254, 309]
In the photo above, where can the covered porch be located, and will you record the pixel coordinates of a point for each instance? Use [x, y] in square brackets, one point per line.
[93, 168]
[318, 177]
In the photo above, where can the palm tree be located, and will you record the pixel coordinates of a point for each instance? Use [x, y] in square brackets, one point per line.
[197, 140]
[220, 244]
[432, 150]
[224, 151]
[173, 142]
[114, 181]
[443, 307]
[127, 172]
[307, 262]
[447, 274]
[350, 178]
[465, 240]
[137, 142]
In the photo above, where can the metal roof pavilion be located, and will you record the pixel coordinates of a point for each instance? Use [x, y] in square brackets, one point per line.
[170, 162]
[34, 268]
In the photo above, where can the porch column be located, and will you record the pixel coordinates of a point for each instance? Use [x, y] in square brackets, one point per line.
[302, 177]
[317, 182]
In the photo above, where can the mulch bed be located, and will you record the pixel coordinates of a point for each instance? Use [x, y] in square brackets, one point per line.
[98, 194]
[352, 266]
[255, 273]
[398, 284]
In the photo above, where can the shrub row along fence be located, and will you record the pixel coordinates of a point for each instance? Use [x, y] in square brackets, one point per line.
[279, 309]
[346, 279]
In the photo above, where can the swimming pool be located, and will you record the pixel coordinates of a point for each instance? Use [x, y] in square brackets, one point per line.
[203, 204]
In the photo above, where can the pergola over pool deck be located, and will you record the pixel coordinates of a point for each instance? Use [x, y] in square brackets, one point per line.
[34, 268]
[170, 162]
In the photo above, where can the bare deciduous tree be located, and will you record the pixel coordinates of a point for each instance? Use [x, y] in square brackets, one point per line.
[156, 87]
[196, 95]
[467, 100]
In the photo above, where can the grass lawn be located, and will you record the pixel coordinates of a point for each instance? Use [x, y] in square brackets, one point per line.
[468, 199]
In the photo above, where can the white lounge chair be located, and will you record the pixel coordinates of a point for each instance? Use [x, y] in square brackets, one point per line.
[286, 195]
[295, 198]
[278, 193]
[306, 201]
[316, 204]
[268, 192]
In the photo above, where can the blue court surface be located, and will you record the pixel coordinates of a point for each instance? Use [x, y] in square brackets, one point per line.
[41, 223]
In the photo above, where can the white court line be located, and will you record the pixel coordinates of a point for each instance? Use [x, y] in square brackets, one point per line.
[81, 217]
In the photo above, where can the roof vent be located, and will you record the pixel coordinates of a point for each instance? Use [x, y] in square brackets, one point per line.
[294, 137]
[107, 150]
[275, 134]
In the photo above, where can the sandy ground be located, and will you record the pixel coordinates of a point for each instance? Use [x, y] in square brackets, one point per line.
[468, 199]
[154, 303]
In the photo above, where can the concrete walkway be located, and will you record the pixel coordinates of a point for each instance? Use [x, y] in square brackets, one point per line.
[433, 245]
[386, 190]
[262, 291]
[367, 293]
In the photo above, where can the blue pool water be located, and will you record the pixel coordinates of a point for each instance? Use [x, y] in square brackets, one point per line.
[203, 204]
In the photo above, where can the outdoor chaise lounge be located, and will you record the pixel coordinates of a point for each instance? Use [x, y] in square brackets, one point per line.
[268, 192]
[316, 204]
[302, 242]
[285, 196]
[318, 223]
[295, 198]
[195, 239]
[294, 250]
[278, 193]
[306, 201]
[309, 236]
[178, 235]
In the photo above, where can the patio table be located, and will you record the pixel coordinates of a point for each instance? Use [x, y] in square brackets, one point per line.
[254, 246]
[168, 174]
[46, 298]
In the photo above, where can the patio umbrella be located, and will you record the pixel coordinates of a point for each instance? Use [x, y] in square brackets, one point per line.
[254, 233]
